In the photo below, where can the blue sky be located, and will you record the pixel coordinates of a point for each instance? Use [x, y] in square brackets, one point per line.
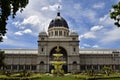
[89, 18]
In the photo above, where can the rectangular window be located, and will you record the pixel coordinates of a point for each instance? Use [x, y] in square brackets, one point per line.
[56, 33]
[21, 67]
[95, 67]
[33, 67]
[8, 67]
[74, 49]
[64, 33]
[27, 67]
[42, 38]
[82, 67]
[42, 49]
[14, 67]
[52, 33]
[60, 33]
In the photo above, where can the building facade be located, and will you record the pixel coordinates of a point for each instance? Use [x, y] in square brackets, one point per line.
[38, 60]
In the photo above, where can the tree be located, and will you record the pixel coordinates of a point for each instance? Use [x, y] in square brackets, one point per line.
[107, 70]
[115, 14]
[7, 8]
[2, 57]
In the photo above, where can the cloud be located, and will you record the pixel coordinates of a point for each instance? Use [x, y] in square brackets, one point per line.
[51, 7]
[96, 46]
[105, 20]
[5, 37]
[26, 31]
[77, 6]
[18, 33]
[88, 35]
[33, 20]
[59, 1]
[15, 43]
[99, 5]
[44, 8]
[111, 36]
[86, 45]
[90, 14]
[96, 28]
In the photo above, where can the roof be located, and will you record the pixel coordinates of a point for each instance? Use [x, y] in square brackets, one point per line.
[20, 51]
[58, 22]
[99, 51]
[81, 51]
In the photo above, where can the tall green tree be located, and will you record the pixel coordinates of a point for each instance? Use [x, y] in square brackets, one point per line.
[2, 57]
[7, 8]
[115, 14]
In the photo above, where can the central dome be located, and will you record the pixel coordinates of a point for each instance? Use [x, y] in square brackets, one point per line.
[58, 22]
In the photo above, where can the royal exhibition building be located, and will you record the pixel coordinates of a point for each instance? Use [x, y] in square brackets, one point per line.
[60, 36]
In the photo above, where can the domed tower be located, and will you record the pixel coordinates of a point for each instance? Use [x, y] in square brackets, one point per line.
[58, 35]
[58, 27]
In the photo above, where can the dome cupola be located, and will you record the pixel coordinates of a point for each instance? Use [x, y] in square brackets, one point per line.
[58, 21]
[58, 27]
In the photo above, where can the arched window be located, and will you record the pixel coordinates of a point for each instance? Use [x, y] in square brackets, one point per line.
[41, 66]
[74, 67]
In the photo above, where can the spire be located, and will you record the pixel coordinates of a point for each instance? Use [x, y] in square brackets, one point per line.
[58, 13]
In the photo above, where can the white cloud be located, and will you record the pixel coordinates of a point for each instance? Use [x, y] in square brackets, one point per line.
[51, 7]
[44, 8]
[86, 45]
[96, 28]
[105, 20]
[90, 14]
[26, 31]
[18, 25]
[96, 46]
[5, 37]
[18, 33]
[88, 35]
[111, 36]
[34, 20]
[99, 5]
[60, 1]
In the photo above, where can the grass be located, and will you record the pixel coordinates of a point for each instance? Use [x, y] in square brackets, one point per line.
[57, 78]
[47, 76]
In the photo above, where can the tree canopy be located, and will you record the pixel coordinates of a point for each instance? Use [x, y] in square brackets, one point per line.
[7, 8]
[115, 14]
[2, 57]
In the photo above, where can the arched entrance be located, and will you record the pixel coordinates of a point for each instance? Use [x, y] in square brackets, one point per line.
[41, 66]
[62, 51]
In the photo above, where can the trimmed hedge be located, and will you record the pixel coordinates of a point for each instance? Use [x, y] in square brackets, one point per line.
[18, 78]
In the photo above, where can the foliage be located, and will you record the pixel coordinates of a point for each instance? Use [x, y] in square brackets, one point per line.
[7, 8]
[115, 14]
[25, 73]
[7, 73]
[2, 57]
[91, 72]
[107, 70]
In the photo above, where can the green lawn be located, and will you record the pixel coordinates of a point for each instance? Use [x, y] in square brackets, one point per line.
[57, 78]
[110, 79]
[66, 77]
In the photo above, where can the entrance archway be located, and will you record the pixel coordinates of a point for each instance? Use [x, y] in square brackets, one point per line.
[62, 51]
